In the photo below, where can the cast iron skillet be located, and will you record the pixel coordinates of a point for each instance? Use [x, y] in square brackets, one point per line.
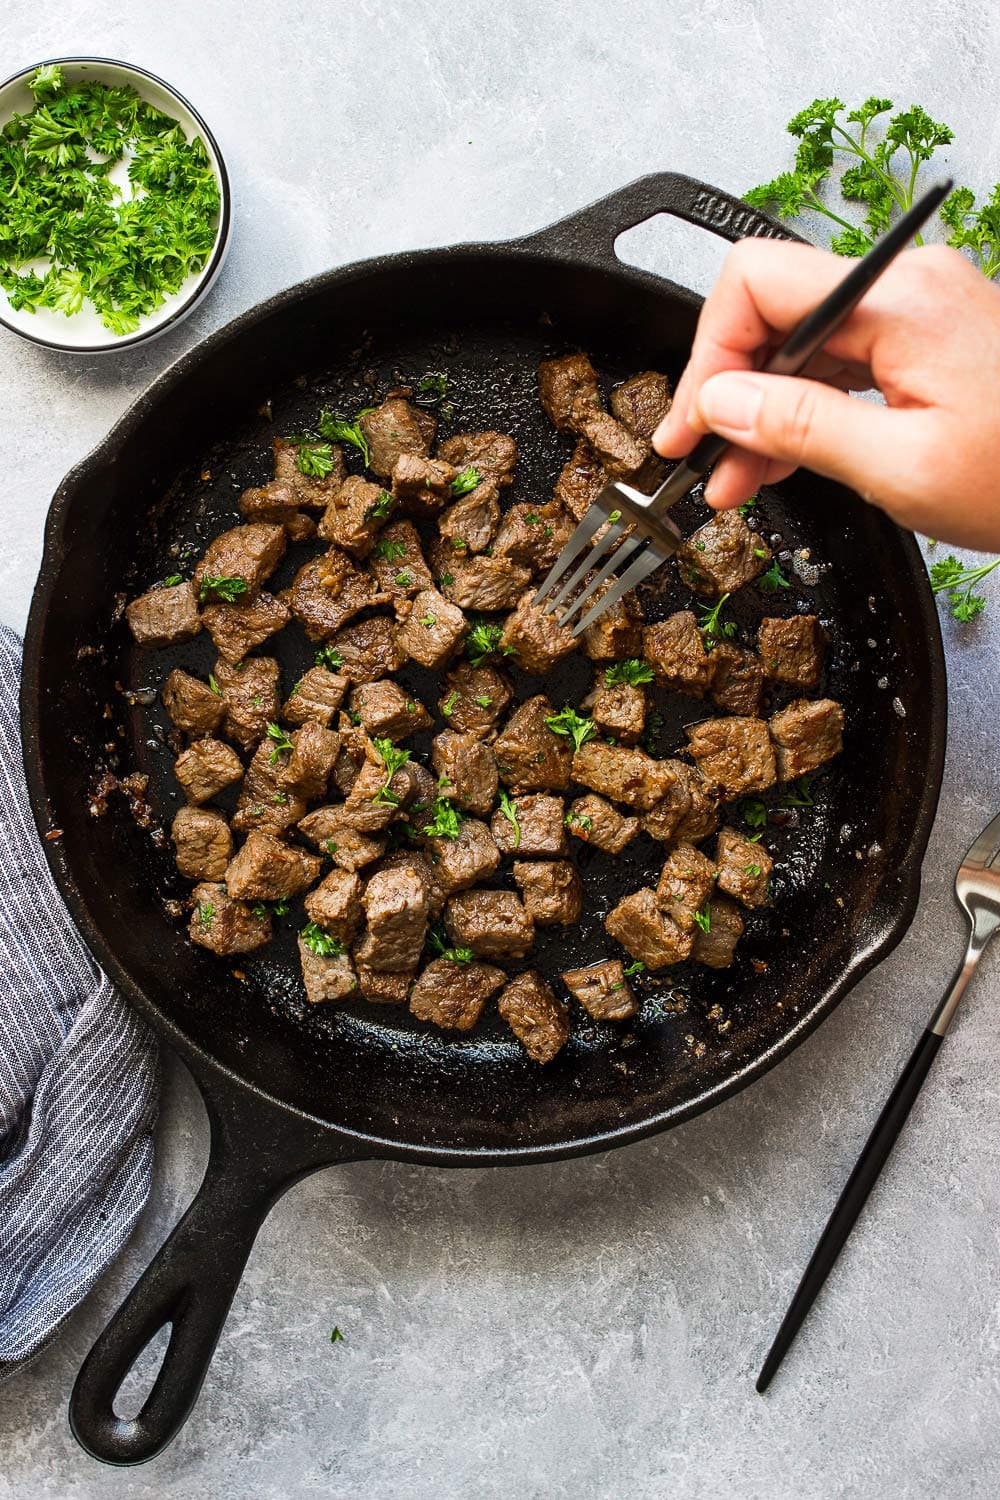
[288, 1092]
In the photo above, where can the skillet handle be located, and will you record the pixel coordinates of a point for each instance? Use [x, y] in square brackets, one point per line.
[591, 232]
[257, 1153]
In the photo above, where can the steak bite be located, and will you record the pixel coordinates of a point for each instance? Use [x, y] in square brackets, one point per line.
[602, 990]
[532, 536]
[422, 485]
[369, 649]
[262, 803]
[477, 698]
[535, 639]
[529, 756]
[538, 1020]
[266, 869]
[237, 628]
[806, 735]
[327, 591]
[395, 903]
[744, 868]
[725, 928]
[225, 926]
[431, 629]
[355, 515]
[688, 812]
[623, 773]
[461, 862]
[306, 769]
[484, 583]
[250, 553]
[641, 403]
[164, 616]
[492, 455]
[467, 770]
[551, 890]
[452, 995]
[206, 768]
[737, 679]
[540, 828]
[616, 449]
[335, 904]
[326, 976]
[734, 754]
[686, 881]
[315, 698]
[203, 842]
[192, 705]
[792, 650]
[310, 491]
[595, 821]
[387, 712]
[415, 860]
[620, 710]
[675, 649]
[644, 932]
[567, 387]
[385, 989]
[494, 924]
[397, 561]
[469, 525]
[722, 555]
[617, 634]
[334, 833]
[277, 503]
[252, 694]
[395, 428]
[580, 481]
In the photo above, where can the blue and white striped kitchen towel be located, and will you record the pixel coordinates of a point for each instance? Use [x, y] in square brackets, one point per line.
[78, 1081]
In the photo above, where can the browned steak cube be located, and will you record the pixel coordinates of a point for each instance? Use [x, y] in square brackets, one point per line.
[369, 649]
[372, 803]
[643, 930]
[477, 697]
[467, 770]
[395, 428]
[675, 649]
[535, 639]
[492, 455]
[251, 693]
[165, 616]
[278, 504]
[192, 704]
[538, 826]
[387, 712]
[494, 924]
[532, 536]
[355, 515]
[538, 1020]
[580, 481]
[806, 735]
[717, 946]
[335, 904]
[623, 773]
[617, 450]
[326, 976]
[792, 650]
[395, 903]
[737, 680]
[452, 995]
[595, 821]
[225, 926]
[385, 989]
[415, 860]
[262, 803]
[620, 710]
[641, 403]
[237, 628]
[530, 758]
[470, 524]
[203, 842]
[617, 634]
[484, 583]
[460, 863]
[722, 555]
[308, 491]
[327, 591]
[206, 768]
[567, 385]
[602, 990]
[249, 553]
[734, 754]
[315, 698]
[688, 812]
[422, 485]
[266, 869]
[432, 629]
[744, 867]
[335, 835]
[686, 881]
[306, 769]
[551, 890]
[398, 562]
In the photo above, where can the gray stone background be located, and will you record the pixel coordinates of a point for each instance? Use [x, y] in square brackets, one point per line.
[589, 1329]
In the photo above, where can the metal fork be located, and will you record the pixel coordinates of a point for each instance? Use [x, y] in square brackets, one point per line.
[638, 526]
[977, 888]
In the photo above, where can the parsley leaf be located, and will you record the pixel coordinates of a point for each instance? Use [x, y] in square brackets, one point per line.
[336, 1337]
[339, 429]
[214, 685]
[382, 507]
[704, 918]
[281, 741]
[579, 821]
[391, 550]
[747, 506]
[976, 229]
[446, 823]
[448, 706]
[482, 641]
[572, 726]
[958, 582]
[437, 942]
[712, 627]
[467, 480]
[321, 942]
[312, 458]
[773, 580]
[631, 671]
[228, 589]
[753, 812]
[799, 794]
[636, 968]
[329, 657]
[205, 911]
[509, 809]
[393, 760]
[432, 389]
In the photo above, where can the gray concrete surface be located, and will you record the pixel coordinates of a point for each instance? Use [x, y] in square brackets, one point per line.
[589, 1329]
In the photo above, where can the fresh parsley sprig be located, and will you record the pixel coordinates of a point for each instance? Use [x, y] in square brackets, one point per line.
[446, 822]
[949, 576]
[321, 942]
[631, 671]
[713, 628]
[340, 429]
[464, 482]
[483, 640]
[393, 760]
[509, 809]
[437, 942]
[572, 726]
[228, 589]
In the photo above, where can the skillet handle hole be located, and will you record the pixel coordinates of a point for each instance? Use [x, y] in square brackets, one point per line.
[140, 1378]
[672, 247]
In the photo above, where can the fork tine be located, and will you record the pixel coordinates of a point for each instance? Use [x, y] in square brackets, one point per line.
[607, 571]
[647, 562]
[590, 560]
[987, 845]
[587, 528]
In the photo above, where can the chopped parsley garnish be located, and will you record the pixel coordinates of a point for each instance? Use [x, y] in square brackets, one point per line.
[446, 580]
[329, 657]
[773, 580]
[753, 813]
[509, 809]
[447, 707]
[631, 671]
[354, 716]
[572, 726]
[753, 871]
[654, 724]
[958, 581]
[338, 429]
[482, 641]
[799, 794]
[428, 619]
[228, 589]
[262, 908]
[281, 741]
[206, 911]
[171, 582]
[382, 507]
[614, 518]
[312, 457]
[336, 1337]
[637, 968]
[390, 549]
[704, 918]
[432, 389]
[484, 700]
[465, 481]
[393, 760]
[446, 823]
[532, 518]
[214, 685]
[404, 579]
[578, 820]
[437, 942]
[713, 628]
[747, 506]
[329, 847]
[321, 942]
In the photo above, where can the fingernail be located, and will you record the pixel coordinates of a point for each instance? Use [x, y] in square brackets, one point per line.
[730, 403]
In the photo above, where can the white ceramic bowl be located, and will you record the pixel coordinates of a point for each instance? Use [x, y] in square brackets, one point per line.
[83, 332]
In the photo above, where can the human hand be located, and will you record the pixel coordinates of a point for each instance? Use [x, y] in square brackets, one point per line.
[927, 335]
